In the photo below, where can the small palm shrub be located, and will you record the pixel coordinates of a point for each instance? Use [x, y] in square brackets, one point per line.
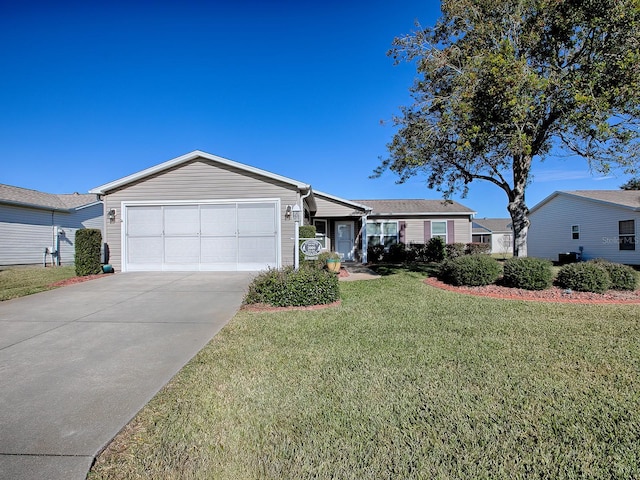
[584, 277]
[435, 250]
[287, 287]
[87, 255]
[471, 270]
[528, 273]
[417, 252]
[622, 277]
[375, 253]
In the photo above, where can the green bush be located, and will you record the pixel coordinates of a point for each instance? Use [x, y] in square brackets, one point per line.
[472, 270]
[475, 248]
[397, 253]
[528, 273]
[416, 252]
[622, 277]
[375, 253]
[455, 250]
[287, 287]
[584, 277]
[435, 250]
[307, 231]
[321, 261]
[87, 256]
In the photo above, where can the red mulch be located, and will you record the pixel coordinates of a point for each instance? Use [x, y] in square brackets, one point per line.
[553, 294]
[74, 280]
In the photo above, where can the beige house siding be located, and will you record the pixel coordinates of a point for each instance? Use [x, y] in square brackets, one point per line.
[200, 180]
[414, 227]
[331, 208]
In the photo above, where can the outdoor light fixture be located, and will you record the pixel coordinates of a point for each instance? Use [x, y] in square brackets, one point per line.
[112, 215]
[296, 213]
[287, 213]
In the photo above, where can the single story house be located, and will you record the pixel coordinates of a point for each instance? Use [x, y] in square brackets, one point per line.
[498, 232]
[591, 223]
[204, 212]
[38, 227]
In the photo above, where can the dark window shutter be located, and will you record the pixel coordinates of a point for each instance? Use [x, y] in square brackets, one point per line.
[402, 227]
[451, 234]
[427, 230]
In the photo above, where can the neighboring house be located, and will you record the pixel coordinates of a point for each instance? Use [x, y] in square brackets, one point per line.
[204, 212]
[32, 222]
[593, 223]
[497, 232]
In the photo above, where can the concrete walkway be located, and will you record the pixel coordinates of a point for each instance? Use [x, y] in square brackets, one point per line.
[77, 363]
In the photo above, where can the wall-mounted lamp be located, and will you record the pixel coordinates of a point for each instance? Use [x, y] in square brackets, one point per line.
[287, 213]
[296, 212]
[112, 215]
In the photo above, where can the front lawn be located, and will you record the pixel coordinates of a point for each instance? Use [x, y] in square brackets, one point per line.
[401, 381]
[20, 281]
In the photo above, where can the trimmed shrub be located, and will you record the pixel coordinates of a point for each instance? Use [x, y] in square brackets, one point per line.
[288, 287]
[455, 250]
[584, 277]
[375, 253]
[397, 253]
[87, 256]
[471, 270]
[528, 273]
[321, 261]
[435, 250]
[475, 248]
[622, 277]
[307, 231]
[417, 252]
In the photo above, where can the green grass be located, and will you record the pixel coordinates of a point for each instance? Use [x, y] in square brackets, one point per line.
[20, 281]
[401, 381]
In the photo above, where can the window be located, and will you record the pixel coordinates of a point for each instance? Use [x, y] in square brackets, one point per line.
[382, 233]
[439, 229]
[321, 231]
[575, 232]
[627, 234]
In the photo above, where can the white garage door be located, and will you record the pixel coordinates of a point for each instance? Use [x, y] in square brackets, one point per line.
[221, 236]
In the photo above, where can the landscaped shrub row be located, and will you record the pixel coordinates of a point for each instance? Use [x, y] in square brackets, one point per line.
[288, 287]
[528, 273]
[87, 255]
[434, 250]
[472, 270]
[597, 276]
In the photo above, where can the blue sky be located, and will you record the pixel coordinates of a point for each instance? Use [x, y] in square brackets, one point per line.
[94, 91]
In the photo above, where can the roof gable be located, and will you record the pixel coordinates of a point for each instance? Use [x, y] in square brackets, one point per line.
[628, 199]
[49, 201]
[493, 224]
[196, 154]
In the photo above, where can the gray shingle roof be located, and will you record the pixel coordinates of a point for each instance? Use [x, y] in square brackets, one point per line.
[414, 207]
[50, 201]
[492, 224]
[628, 198]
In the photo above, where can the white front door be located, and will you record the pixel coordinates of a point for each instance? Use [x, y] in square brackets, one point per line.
[344, 239]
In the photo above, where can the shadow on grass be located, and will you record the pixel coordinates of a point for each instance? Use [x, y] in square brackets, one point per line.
[385, 269]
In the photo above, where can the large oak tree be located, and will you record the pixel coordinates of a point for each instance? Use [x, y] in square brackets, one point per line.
[502, 84]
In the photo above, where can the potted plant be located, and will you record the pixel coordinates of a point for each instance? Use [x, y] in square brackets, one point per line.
[331, 261]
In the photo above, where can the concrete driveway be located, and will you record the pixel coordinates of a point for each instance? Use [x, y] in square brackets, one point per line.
[77, 363]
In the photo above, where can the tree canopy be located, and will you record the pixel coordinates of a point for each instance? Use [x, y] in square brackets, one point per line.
[503, 83]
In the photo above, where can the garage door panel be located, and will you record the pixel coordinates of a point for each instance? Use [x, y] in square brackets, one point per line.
[256, 219]
[257, 250]
[219, 250]
[144, 250]
[218, 219]
[181, 220]
[182, 250]
[144, 221]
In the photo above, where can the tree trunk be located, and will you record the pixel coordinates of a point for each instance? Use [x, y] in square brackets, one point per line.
[520, 221]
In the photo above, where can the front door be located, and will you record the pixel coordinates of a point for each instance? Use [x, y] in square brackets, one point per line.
[344, 239]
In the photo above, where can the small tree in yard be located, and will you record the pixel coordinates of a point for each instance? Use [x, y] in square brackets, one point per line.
[502, 83]
[87, 256]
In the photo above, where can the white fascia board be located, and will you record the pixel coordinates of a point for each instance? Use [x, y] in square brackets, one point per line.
[415, 214]
[342, 200]
[103, 189]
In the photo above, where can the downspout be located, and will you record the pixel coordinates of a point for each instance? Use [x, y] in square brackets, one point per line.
[365, 243]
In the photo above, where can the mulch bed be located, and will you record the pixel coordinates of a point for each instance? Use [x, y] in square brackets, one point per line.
[553, 294]
[74, 280]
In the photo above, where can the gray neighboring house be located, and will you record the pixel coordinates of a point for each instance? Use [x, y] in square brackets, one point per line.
[498, 232]
[592, 223]
[32, 222]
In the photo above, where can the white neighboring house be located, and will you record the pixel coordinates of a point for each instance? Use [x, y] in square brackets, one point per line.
[496, 231]
[32, 221]
[593, 223]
